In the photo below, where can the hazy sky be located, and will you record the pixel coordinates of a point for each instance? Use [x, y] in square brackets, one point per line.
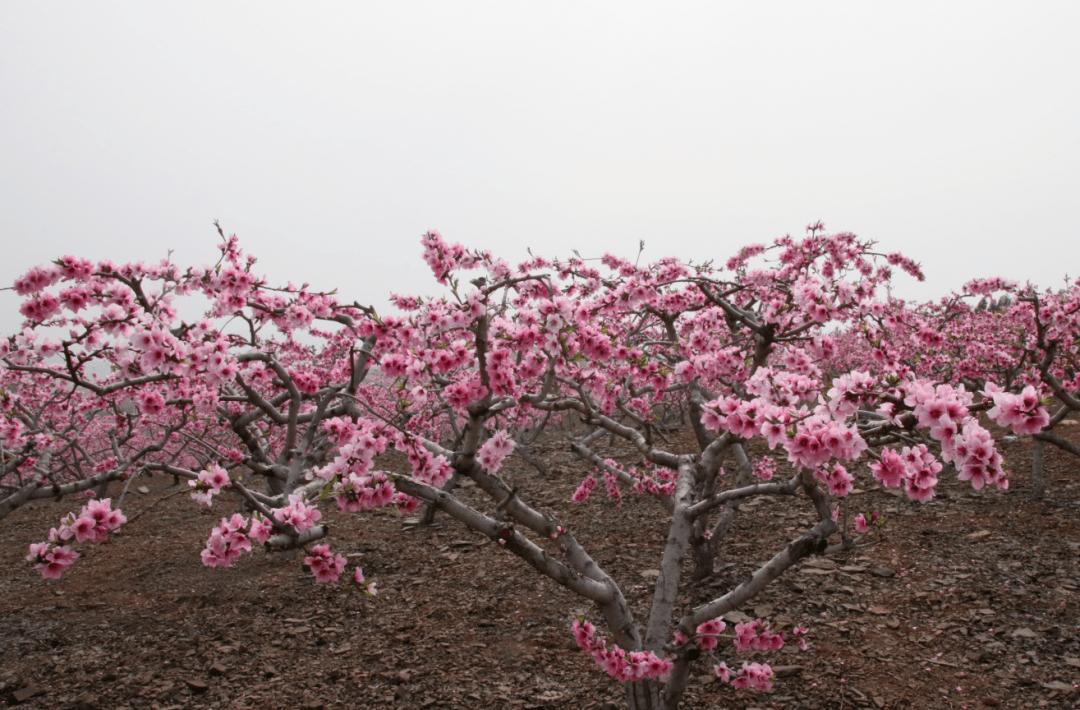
[329, 137]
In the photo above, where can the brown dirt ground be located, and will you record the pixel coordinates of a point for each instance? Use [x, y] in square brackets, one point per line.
[981, 609]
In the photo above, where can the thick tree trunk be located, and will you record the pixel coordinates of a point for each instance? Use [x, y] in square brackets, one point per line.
[703, 550]
[703, 553]
[274, 486]
[644, 695]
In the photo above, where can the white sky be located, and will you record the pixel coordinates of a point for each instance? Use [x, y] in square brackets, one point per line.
[329, 137]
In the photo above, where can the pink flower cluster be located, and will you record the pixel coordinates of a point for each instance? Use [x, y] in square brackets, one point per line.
[752, 676]
[837, 478]
[40, 308]
[851, 391]
[261, 529]
[444, 258]
[12, 433]
[708, 634]
[494, 450]
[765, 468]
[1024, 412]
[974, 454]
[51, 561]
[226, 542]
[354, 455]
[151, 402]
[582, 493]
[914, 467]
[406, 504]
[941, 410]
[298, 514]
[740, 417]
[749, 636]
[818, 439]
[782, 388]
[464, 392]
[756, 635]
[38, 278]
[985, 287]
[611, 482]
[432, 470]
[661, 483]
[325, 566]
[355, 493]
[624, 667]
[93, 524]
[944, 411]
[209, 484]
[810, 442]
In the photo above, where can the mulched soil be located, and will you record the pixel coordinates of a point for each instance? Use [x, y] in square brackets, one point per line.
[966, 602]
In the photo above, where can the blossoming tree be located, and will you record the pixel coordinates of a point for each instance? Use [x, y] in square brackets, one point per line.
[305, 392]
[1011, 358]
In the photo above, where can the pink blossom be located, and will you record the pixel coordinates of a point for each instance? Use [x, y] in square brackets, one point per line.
[765, 468]
[494, 450]
[1024, 412]
[625, 667]
[208, 484]
[756, 676]
[583, 491]
[298, 514]
[611, 482]
[890, 471]
[261, 529]
[708, 633]
[325, 566]
[150, 402]
[756, 636]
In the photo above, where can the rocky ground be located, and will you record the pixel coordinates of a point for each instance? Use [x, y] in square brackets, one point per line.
[966, 602]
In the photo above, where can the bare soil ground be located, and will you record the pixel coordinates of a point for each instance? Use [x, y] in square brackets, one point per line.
[966, 602]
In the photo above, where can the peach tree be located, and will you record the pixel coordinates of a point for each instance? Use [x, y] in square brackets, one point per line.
[294, 388]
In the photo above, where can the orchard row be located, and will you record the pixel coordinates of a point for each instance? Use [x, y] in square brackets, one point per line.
[286, 396]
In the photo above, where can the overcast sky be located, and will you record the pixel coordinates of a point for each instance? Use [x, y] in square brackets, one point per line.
[329, 137]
